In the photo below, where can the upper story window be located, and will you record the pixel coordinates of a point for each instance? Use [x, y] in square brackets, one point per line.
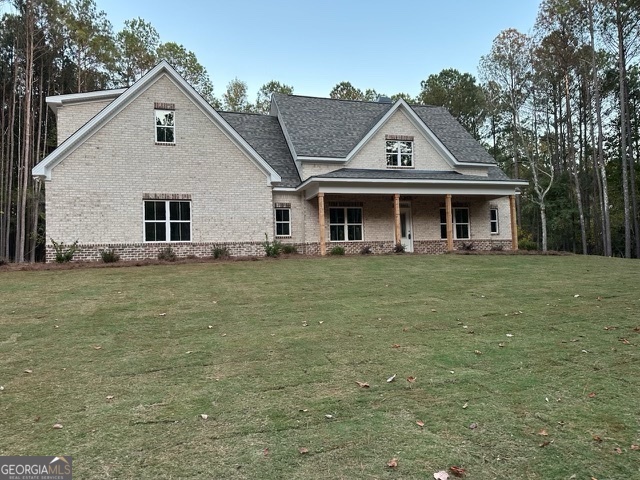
[399, 150]
[165, 123]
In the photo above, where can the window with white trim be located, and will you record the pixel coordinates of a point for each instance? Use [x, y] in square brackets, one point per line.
[461, 230]
[167, 221]
[283, 222]
[399, 153]
[493, 221]
[345, 224]
[165, 126]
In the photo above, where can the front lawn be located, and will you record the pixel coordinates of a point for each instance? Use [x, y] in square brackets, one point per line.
[525, 367]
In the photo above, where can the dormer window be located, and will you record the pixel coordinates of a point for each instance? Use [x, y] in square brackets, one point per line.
[399, 150]
[165, 123]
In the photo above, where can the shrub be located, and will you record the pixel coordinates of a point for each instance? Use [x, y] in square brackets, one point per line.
[497, 248]
[64, 254]
[366, 250]
[271, 249]
[3, 262]
[167, 254]
[337, 251]
[398, 248]
[467, 247]
[109, 256]
[218, 251]
[525, 241]
[289, 249]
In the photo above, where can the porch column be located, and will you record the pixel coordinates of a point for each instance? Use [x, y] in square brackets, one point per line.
[396, 216]
[449, 222]
[323, 247]
[514, 225]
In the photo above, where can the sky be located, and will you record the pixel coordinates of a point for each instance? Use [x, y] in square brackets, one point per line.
[390, 46]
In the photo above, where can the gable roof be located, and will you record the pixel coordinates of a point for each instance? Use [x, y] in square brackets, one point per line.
[331, 128]
[264, 134]
[44, 168]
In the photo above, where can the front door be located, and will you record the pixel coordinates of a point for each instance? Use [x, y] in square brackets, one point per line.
[406, 227]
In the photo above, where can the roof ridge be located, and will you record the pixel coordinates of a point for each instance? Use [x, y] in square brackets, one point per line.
[329, 98]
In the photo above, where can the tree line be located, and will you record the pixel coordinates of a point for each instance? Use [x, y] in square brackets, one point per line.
[557, 107]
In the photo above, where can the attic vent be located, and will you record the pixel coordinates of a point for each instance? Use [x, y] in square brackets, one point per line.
[164, 106]
[401, 138]
[383, 99]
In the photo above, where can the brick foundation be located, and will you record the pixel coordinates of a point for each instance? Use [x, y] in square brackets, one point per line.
[142, 251]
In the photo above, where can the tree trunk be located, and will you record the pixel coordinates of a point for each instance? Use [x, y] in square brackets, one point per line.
[573, 166]
[622, 74]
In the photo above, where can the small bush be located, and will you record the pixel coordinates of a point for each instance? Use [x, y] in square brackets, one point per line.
[399, 248]
[167, 254]
[289, 249]
[218, 251]
[366, 250]
[497, 248]
[109, 256]
[337, 251]
[64, 254]
[3, 262]
[271, 249]
[525, 241]
[467, 247]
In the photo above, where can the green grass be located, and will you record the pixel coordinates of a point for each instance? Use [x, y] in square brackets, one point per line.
[289, 340]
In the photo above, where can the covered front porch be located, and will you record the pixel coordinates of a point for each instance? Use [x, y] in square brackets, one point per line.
[422, 216]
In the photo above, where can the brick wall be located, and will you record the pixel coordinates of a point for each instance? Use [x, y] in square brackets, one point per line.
[72, 116]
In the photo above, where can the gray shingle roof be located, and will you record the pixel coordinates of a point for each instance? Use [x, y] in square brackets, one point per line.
[458, 141]
[325, 127]
[361, 174]
[264, 134]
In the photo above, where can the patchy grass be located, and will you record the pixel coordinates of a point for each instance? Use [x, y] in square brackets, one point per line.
[268, 349]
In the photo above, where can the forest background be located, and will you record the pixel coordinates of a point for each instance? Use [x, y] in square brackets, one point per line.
[558, 107]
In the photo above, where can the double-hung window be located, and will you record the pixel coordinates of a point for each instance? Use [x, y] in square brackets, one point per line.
[460, 223]
[345, 224]
[399, 153]
[493, 221]
[165, 126]
[283, 222]
[167, 221]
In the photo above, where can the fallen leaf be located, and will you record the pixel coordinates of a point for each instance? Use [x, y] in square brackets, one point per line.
[457, 471]
[57, 426]
[28, 370]
[224, 335]
[395, 345]
[509, 334]
[56, 326]
[543, 432]
[618, 450]
[597, 438]
[477, 352]
[37, 419]
[433, 310]
[210, 326]
[501, 345]
[544, 444]
[420, 423]
[204, 416]
[473, 426]
[391, 378]
[609, 327]
[393, 463]
[162, 314]
[265, 452]
[625, 341]
[303, 410]
[329, 416]
[599, 299]
[303, 450]
[411, 379]
[635, 447]
[1, 388]
[97, 347]
[441, 475]
[321, 322]
[110, 397]
[576, 296]
[591, 395]
[362, 384]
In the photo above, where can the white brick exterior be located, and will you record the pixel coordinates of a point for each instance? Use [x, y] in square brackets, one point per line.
[95, 194]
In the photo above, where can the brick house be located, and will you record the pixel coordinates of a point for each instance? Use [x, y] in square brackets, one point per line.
[153, 165]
